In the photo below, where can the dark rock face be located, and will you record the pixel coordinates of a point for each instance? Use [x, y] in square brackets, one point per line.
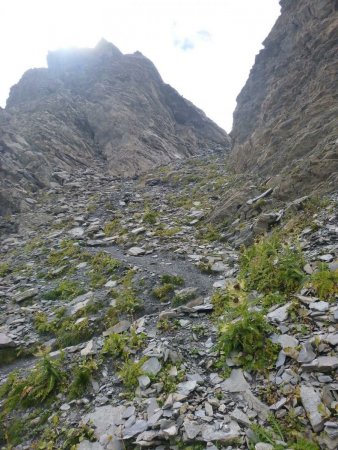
[95, 108]
[285, 122]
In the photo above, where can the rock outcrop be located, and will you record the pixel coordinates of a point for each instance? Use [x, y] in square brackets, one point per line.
[285, 122]
[95, 108]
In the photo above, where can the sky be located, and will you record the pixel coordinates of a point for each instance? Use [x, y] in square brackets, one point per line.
[203, 48]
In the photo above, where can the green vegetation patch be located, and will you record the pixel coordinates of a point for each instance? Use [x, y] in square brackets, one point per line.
[271, 266]
[66, 290]
[325, 282]
[247, 336]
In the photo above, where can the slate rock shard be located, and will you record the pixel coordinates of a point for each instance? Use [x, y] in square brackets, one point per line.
[285, 122]
[95, 108]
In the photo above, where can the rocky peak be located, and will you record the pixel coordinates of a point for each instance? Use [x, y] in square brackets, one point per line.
[96, 108]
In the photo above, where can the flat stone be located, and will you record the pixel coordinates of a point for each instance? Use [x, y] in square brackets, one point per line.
[240, 417]
[286, 341]
[326, 258]
[173, 398]
[111, 284]
[186, 387]
[138, 230]
[263, 446]
[192, 429]
[65, 407]
[25, 295]
[280, 314]
[319, 306]
[138, 427]
[312, 403]
[90, 348]
[136, 251]
[306, 355]
[80, 302]
[76, 232]
[6, 341]
[106, 420]
[144, 381]
[236, 382]
[152, 366]
[218, 267]
[87, 445]
[322, 364]
[255, 404]
[227, 433]
[331, 338]
[128, 412]
[120, 327]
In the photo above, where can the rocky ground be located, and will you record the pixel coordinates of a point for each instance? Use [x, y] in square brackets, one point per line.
[116, 298]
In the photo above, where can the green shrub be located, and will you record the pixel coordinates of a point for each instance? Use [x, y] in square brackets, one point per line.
[82, 376]
[72, 333]
[66, 290]
[41, 383]
[183, 298]
[127, 301]
[325, 282]
[113, 227]
[270, 266]
[176, 280]
[150, 216]
[249, 337]
[130, 371]
[229, 300]
[162, 292]
[103, 265]
[4, 269]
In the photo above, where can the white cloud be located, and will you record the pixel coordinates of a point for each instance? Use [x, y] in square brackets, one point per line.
[203, 48]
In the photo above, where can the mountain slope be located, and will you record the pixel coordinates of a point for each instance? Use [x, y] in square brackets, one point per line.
[95, 108]
[285, 122]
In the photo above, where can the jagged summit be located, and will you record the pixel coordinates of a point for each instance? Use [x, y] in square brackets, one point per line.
[93, 108]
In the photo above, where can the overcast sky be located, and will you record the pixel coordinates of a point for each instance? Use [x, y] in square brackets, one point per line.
[203, 48]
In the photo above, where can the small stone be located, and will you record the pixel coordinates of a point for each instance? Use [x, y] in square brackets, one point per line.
[6, 341]
[192, 429]
[76, 232]
[111, 284]
[319, 306]
[218, 267]
[240, 417]
[65, 407]
[208, 409]
[322, 364]
[138, 427]
[152, 366]
[136, 251]
[236, 382]
[306, 355]
[279, 315]
[186, 387]
[326, 258]
[119, 328]
[263, 446]
[312, 405]
[90, 348]
[144, 381]
[332, 339]
[22, 296]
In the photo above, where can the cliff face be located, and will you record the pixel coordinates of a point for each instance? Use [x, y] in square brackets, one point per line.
[95, 108]
[285, 122]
